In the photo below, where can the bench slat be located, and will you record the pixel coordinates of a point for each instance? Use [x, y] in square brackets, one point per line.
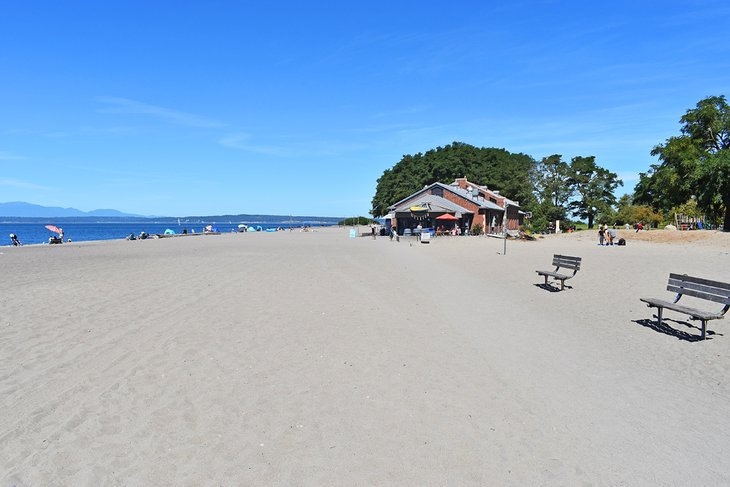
[699, 280]
[567, 261]
[553, 274]
[699, 294]
[696, 313]
[712, 293]
[567, 258]
[700, 287]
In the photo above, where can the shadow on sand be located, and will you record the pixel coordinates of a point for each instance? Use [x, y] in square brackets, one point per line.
[552, 289]
[679, 334]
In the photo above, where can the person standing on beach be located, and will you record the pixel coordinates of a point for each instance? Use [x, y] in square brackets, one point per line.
[612, 235]
[14, 240]
[372, 230]
[601, 234]
[60, 234]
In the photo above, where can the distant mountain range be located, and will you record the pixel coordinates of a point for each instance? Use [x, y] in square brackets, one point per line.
[28, 210]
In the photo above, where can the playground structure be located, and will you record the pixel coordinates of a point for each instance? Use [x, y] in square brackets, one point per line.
[687, 222]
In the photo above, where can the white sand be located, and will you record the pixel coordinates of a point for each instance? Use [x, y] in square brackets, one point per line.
[312, 359]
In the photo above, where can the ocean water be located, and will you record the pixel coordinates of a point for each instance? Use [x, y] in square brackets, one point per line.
[36, 233]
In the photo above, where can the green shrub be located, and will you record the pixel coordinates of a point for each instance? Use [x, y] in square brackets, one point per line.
[360, 220]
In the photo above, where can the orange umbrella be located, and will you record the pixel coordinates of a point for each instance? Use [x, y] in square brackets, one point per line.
[446, 216]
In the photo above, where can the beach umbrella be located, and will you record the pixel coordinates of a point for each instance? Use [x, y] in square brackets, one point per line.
[169, 231]
[53, 229]
[447, 216]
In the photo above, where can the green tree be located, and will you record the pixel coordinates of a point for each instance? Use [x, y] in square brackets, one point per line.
[497, 168]
[594, 187]
[358, 220]
[697, 162]
[552, 189]
[629, 213]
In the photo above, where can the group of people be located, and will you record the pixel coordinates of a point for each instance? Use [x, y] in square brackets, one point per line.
[57, 240]
[15, 241]
[607, 236]
[141, 236]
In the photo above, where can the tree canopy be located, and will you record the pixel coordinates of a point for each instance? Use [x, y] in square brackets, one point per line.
[594, 186]
[693, 164]
[497, 168]
[552, 189]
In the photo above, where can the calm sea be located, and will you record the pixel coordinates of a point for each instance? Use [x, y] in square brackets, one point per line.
[36, 233]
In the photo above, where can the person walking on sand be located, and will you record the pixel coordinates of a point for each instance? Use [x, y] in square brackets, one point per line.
[372, 230]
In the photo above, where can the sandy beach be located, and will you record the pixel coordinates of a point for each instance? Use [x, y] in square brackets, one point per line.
[313, 359]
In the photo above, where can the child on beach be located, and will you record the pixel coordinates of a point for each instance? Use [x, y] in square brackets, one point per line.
[14, 240]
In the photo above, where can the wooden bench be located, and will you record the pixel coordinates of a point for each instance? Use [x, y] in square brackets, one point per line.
[715, 291]
[562, 261]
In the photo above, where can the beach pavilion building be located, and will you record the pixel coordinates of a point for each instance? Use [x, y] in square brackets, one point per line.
[461, 205]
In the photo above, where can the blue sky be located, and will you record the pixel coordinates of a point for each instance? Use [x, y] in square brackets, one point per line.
[188, 108]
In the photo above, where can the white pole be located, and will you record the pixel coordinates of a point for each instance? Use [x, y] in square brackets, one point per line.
[504, 228]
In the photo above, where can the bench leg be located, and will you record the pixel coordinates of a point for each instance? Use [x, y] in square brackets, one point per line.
[704, 325]
[562, 284]
[546, 280]
[659, 315]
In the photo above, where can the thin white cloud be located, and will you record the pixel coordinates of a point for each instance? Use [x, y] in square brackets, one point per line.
[133, 107]
[17, 183]
[241, 141]
[7, 156]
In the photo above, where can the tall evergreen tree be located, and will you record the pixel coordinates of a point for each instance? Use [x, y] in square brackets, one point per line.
[594, 187]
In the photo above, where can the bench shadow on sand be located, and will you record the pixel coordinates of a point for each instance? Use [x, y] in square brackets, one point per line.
[551, 288]
[679, 334]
